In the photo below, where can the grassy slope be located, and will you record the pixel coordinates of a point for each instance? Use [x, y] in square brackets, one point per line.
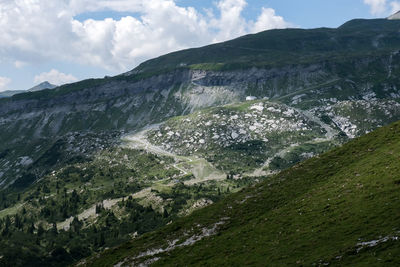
[316, 212]
[287, 46]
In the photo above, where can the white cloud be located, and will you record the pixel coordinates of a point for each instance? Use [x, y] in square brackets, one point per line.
[269, 20]
[4, 81]
[230, 23]
[162, 26]
[395, 7]
[382, 7]
[378, 7]
[54, 77]
[20, 64]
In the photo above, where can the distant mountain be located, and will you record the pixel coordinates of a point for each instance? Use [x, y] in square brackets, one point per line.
[42, 86]
[10, 93]
[39, 87]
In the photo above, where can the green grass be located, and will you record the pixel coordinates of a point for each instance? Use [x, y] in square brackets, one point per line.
[279, 47]
[314, 213]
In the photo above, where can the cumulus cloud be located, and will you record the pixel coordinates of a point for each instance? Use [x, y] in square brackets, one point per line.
[395, 7]
[378, 7]
[19, 64]
[230, 23]
[54, 77]
[269, 20]
[117, 44]
[382, 7]
[4, 81]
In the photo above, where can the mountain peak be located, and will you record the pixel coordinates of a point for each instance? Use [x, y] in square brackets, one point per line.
[42, 86]
[395, 16]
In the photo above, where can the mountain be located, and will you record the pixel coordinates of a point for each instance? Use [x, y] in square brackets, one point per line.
[42, 86]
[306, 69]
[335, 209]
[9, 93]
[90, 165]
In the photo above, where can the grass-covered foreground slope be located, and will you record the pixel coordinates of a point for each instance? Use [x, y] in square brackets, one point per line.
[340, 208]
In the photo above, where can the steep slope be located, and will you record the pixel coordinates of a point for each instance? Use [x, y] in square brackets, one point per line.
[336, 209]
[306, 69]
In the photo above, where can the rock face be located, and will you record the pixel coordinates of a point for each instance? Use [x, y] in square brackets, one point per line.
[127, 105]
[394, 16]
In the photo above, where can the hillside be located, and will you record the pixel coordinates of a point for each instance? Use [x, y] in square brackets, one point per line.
[284, 47]
[336, 209]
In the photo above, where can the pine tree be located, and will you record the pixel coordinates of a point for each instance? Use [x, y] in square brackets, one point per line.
[102, 240]
[165, 213]
[17, 222]
[40, 230]
[54, 230]
[31, 228]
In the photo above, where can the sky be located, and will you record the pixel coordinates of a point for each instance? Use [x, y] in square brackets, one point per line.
[63, 41]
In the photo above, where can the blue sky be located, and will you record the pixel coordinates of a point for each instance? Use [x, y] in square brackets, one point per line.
[305, 14]
[64, 41]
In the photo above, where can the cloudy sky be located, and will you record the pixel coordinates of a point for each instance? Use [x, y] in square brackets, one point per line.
[62, 41]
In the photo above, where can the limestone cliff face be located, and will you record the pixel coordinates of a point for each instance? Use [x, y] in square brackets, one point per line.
[126, 105]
